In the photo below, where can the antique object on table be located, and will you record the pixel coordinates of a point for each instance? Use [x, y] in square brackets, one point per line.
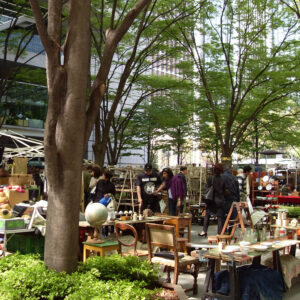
[294, 222]
[148, 213]
[96, 214]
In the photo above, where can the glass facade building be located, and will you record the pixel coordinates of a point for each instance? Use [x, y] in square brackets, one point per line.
[25, 105]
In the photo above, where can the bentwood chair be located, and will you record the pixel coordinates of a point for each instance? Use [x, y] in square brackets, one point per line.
[134, 251]
[164, 237]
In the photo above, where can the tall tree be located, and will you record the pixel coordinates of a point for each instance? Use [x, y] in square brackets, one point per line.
[71, 116]
[246, 64]
[147, 46]
[15, 38]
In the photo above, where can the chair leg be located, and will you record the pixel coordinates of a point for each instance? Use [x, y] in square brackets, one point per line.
[168, 277]
[176, 273]
[195, 274]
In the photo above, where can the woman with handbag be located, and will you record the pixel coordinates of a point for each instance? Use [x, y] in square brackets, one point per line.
[216, 207]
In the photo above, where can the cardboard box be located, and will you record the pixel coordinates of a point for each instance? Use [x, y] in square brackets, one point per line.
[4, 180]
[14, 223]
[20, 179]
[15, 197]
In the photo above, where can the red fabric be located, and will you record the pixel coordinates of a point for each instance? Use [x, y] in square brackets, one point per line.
[289, 199]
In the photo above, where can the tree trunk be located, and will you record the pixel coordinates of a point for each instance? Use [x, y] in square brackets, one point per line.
[68, 128]
[226, 158]
[98, 148]
[256, 141]
[100, 145]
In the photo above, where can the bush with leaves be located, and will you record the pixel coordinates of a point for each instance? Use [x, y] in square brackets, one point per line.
[26, 277]
[116, 267]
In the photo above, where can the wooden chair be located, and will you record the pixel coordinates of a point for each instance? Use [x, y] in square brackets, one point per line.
[134, 252]
[164, 237]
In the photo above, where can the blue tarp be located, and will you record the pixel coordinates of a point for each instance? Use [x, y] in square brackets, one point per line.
[256, 282]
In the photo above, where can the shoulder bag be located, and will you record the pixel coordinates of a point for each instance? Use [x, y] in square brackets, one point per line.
[208, 197]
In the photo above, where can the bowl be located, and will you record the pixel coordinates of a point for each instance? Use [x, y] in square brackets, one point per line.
[239, 253]
[230, 249]
[259, 248]
[244, 243]
[267, 244]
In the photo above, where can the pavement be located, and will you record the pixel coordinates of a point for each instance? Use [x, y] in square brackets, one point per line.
[186, 280]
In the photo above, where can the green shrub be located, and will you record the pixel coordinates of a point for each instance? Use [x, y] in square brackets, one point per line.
[116, 267]
[293, 212]
[114, 277]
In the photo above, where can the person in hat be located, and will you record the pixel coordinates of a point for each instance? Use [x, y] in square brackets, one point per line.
[146, 184]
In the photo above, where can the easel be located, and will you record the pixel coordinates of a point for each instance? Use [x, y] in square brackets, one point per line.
[239, 206]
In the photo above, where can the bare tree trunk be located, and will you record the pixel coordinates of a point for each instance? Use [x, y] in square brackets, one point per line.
[65, 128]
[68, 129]
[256, 141]
[98, 148]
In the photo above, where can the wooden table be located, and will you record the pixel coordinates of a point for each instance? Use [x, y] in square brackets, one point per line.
[214, 256]
[99, 248]
[139, 225]
[181, 222]
[198, 212]
[11, 232]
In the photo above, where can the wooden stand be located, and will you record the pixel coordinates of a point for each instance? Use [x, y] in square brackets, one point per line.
[239, 206]
[99, 248]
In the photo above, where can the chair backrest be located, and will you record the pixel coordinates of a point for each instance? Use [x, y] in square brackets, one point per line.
[121, 226]
[162, 236]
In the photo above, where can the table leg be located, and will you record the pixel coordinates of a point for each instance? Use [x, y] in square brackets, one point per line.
[101, 252]
[277, 266]
[209, 278]
[234, 283]
[84, 254]
[256, 260]
[4, 244]
[293, 250]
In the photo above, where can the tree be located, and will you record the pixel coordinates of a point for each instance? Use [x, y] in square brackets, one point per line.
[246, 64]
[72, 111]
[14, 55]
[164, 121]
[146, 46]
[293, 5]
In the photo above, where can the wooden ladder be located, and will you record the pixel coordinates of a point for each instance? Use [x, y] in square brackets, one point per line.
[238, 206]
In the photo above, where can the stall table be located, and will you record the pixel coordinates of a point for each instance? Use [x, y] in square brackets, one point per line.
[214, 256]
[140, 225]
[289, 199]
[11, 232]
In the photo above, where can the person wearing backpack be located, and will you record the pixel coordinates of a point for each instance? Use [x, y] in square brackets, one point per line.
[232, 192]
[217, 206]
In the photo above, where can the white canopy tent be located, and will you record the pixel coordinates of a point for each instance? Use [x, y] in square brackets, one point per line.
[20, 145]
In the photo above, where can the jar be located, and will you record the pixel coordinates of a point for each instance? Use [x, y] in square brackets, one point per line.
[282, 231]
[134, 217]
[221, 246]
[277, 232]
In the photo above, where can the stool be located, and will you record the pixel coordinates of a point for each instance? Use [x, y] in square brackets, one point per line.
[99, 248]
[212, 239]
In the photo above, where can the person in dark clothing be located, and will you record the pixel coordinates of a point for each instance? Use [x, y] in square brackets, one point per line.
[104, 186]
[176, 191]
[38, 182]
[146, 184]
[87, 175]
[217, 207]
[182, 174]
[232, 193]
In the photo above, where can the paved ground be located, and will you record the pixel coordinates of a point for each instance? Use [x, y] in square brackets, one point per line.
[187, 280]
